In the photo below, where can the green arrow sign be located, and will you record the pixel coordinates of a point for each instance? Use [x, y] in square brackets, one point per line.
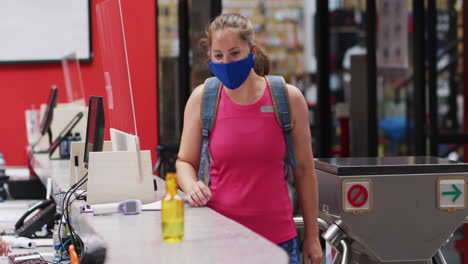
[456, 192]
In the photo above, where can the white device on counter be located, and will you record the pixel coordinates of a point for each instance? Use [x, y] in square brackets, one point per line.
[127, 207]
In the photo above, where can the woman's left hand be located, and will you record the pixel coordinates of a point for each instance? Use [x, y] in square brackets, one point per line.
[311, 249]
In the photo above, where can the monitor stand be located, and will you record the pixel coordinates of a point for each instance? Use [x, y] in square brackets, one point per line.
[49, 134]
[118, 171]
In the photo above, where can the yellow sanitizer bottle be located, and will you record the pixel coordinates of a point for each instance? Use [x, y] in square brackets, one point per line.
[172, 211]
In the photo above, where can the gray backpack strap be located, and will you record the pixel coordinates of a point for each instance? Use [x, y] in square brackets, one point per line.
[208, 117]
[279, 94]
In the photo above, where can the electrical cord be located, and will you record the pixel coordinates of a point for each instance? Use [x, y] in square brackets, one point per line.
[74, 236]
[62, 250]
[72, 232]
[65, 206]
[62, 244]
[81, 196]
[59, 193]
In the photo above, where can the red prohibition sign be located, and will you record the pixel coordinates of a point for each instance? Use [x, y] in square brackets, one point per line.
[352, 199]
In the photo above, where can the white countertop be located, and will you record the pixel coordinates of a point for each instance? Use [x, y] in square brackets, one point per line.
[209, 236]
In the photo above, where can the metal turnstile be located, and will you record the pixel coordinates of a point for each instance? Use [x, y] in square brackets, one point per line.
[391, 209]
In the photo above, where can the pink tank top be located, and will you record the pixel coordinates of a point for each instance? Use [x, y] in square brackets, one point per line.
[247, 172]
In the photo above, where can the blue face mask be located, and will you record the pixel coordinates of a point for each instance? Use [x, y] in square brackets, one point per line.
[233, 74]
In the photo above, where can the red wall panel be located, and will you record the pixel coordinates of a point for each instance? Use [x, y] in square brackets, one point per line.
[25, 85]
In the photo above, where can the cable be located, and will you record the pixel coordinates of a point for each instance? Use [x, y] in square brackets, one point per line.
[62, 251]
[74, 239]
[73, 186]
[79, 197]
[59, 193]
[72, 232]
[64, 207]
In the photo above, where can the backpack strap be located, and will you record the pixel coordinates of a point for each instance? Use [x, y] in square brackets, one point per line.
[211, 93]
[279, 94]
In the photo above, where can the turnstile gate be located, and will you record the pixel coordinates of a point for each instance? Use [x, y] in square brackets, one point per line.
[391, 209]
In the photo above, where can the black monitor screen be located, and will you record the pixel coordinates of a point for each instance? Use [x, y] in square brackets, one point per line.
[49, 112]
[95, 130]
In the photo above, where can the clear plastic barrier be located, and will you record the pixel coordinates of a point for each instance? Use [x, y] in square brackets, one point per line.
[32, 125]
[73, 80]
[115, 66]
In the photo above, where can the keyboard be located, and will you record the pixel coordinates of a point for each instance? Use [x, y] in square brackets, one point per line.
[28, 258]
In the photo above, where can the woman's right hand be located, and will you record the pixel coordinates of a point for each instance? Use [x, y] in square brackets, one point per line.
[4, 247]
[198, 194]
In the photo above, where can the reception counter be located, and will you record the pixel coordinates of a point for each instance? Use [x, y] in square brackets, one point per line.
[209, 236]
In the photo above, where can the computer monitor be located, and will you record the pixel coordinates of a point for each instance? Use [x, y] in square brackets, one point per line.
[49, 113]
[95, 129]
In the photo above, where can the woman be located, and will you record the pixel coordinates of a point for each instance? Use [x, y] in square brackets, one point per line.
[247, 145]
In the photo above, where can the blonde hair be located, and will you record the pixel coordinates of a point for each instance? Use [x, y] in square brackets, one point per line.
[243, 26]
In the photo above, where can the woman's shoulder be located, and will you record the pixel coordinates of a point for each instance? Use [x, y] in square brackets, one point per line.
[294, 94]
[300, 119]
[198, 91]
[297, 102]
[196, 95]
[194, 102]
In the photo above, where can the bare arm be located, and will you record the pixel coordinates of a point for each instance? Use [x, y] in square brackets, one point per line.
[304, 174]
[188, 159]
